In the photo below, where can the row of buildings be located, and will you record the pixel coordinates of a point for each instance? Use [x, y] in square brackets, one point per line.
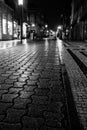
[10, 21]
[78, 22]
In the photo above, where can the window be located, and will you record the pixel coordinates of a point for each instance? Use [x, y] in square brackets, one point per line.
[9, 27]
[15, 29]
[4, 26]
[24, 29]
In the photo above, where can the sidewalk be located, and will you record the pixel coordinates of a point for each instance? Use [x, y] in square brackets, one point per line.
[7, 44]
[76, 42]
[11, 43]
[76, 67]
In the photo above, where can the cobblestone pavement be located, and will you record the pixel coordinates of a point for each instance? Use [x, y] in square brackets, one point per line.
[32, 96]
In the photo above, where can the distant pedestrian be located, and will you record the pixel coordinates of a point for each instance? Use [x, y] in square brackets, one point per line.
[31, 35]
[18, 34]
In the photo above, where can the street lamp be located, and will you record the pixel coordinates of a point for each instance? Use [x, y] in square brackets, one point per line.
[33, 25]
[20, 3]
[59, 27]
[46, 26]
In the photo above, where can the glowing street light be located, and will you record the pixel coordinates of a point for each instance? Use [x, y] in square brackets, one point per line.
[33, 25]
[20, 3]
[47, 31]
[46, 26]
[59, 27]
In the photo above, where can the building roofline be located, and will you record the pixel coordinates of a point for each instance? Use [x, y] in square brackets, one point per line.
[6, 6]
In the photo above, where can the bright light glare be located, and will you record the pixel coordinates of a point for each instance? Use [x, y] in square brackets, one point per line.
[20, 2]
[59, 27]
[25, 41]
[33, 25]
[60, 47]
[46, 47]
[46, 26]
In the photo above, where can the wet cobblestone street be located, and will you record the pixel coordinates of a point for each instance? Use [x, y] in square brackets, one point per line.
[32, 96]
[43, 86]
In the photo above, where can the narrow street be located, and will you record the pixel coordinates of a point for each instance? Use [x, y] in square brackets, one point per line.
[43, 86]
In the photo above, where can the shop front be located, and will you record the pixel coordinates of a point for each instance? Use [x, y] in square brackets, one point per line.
[16, 30]
[6, 22]
[24, 30]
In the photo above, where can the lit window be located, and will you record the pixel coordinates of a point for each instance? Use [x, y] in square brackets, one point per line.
[24, 29]
[4, 26]
[9, 27]
[15, 30]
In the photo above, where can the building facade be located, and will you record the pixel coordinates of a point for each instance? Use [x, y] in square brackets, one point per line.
[35, 21]
[10, 21]
[6, 21]
[79, 20]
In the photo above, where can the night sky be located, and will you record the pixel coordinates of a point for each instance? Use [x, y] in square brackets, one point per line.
[53, 9]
